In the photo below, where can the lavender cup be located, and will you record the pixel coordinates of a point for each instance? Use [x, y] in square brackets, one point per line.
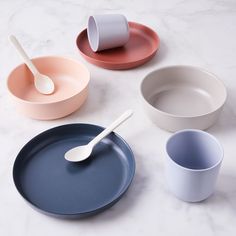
[193, 163]
[107, 31]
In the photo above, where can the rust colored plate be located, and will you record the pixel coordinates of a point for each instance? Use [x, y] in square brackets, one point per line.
[141, 47]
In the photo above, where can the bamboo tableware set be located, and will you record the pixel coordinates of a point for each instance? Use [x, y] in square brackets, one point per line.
[78, 170]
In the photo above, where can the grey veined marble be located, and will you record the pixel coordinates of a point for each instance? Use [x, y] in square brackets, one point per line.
[200, 33]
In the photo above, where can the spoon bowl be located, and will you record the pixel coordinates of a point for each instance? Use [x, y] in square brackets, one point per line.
[43, 84]
[79, 153]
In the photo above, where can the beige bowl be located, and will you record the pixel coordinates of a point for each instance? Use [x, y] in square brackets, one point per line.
[71, 79]
[183, 97]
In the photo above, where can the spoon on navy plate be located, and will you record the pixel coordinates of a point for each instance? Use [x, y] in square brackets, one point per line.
[42, 83]
[81, 153]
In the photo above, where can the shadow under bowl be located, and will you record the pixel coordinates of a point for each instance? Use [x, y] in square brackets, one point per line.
[71, 79]
[183, 97]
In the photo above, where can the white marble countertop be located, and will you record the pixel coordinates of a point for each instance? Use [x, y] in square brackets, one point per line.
[201, 33]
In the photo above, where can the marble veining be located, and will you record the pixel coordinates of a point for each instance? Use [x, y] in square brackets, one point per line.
[200, 33]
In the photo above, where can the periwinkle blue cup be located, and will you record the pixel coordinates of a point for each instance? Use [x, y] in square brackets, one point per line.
[193, 164]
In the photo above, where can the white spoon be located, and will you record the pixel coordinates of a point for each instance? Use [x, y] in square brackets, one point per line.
[42, 82]
[81, 153]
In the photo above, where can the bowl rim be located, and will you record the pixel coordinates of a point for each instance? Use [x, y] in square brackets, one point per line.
[195, 131]
[210, 74]
[49, 102]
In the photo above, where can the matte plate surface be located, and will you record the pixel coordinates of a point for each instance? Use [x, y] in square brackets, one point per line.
[141, 47]
[73, 190]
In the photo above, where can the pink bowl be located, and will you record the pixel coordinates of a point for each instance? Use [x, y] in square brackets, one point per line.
[71, 80]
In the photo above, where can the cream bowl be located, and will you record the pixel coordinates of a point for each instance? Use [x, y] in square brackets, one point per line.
[183, 97]
[71, 79]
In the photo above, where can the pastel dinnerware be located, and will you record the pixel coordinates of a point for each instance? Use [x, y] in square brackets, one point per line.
[83, 152]
[59, 188]
[71, 79]
[182, 97]
[142, 46]
[42, 83]
[107, 31]
[192, 165]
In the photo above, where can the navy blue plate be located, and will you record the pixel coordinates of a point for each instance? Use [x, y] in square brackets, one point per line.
[73, 190]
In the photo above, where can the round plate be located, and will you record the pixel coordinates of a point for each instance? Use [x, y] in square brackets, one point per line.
[141, 47]
[73, 190]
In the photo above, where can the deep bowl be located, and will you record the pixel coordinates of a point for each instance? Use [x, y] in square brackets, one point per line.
[71, 79]
[183, 97]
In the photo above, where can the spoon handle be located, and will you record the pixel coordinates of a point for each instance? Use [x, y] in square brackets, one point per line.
[111, 127]
[22, 53]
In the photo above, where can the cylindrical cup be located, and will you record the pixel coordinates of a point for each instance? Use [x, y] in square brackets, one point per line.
[107, 31]
[192, 166]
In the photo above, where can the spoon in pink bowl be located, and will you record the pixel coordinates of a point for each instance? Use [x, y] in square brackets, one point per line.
[42, 83]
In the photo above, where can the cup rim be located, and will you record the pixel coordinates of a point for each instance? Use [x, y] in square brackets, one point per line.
[93, 42]
[204, 133]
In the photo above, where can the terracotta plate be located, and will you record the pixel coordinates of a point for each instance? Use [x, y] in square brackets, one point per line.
[141, 47]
